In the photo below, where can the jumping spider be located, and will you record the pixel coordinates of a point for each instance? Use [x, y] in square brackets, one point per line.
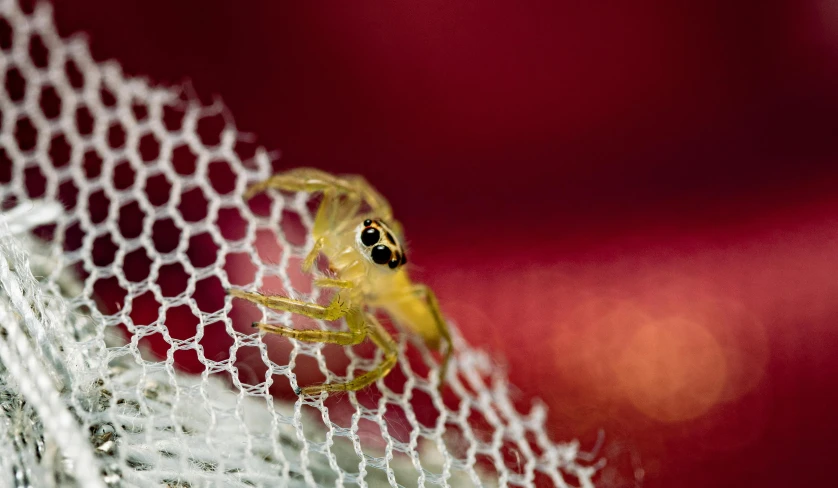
[354, 229]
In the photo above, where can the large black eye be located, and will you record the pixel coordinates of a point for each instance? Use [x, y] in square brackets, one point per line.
[381, 254]
[370, 236]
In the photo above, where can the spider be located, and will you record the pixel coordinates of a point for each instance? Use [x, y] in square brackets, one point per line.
[354, 229]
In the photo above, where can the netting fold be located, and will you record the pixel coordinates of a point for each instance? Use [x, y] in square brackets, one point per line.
[123, 361]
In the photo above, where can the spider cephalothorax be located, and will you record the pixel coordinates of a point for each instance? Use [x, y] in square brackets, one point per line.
[380, 243]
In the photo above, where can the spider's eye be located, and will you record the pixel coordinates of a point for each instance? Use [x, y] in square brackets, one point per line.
[395, 262]
[367, 223]
[381, 254]
[370, 236]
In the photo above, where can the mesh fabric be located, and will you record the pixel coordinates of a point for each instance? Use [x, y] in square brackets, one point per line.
[124, 363]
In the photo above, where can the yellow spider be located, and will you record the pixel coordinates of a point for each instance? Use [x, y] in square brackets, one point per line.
[355, 230]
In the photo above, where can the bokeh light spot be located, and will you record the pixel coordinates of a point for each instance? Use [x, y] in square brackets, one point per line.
[672, 370]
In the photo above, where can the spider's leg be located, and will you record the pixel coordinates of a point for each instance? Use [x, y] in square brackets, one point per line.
[333, 311]
[357, 332]
[299, 179]
[442, 326]
[355, 189]
[385, 342]
[325, 282]
[377, 203]
[308, 262]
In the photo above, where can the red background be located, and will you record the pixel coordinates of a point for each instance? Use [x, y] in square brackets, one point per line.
[631, 203]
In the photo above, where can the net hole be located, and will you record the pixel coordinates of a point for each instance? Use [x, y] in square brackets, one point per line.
[10, 201]
[27, 6]
[232, 225]
[104, 251]
[369, 433]
[246, 152]
[106, 96]
[395, 380]
[202, 250]
[165, 235]
[173, 118]
[293, 228]
[542, 479]
[240, 269]
[84, 121]
[250, 365]
[45, 232]
[158, 190]
[50, 102]
[68, 195]
[74, 74]
[456, 443]
[59, 151]
[172, 280]
[140, 112]
[432, 458]
[123, 175]
[398, 426]
[424, 408]
[260, 205]
[210, 128]
[116, 136]
[92, 164]
[15, 84]
[26, 134]
[340, 445]
[184, 160]
[268, 246]
[480, 427]
[513, 458]
[485, 465]
[216, 342]
[222, 177]
[73, 237]
[6, 34]
[144, 309]
[97, 206]
[5, 167]
[532, 440]
[136, 266]
[209, 295]
[301, 282]
[38, 52]
[153, 347]
[149, 147]
[306, 368]
[110, 296]
[571, 479]
[181, 323]
[35, 181]
[193, 206]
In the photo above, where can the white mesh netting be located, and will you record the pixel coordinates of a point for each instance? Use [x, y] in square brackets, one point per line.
[124, 363]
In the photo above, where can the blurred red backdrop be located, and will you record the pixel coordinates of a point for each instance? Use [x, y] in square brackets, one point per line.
[632, 204]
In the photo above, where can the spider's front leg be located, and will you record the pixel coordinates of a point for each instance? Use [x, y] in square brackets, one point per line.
[360, 326]
[354, 188]
[385, 342]
[425, 293]
[333, 311]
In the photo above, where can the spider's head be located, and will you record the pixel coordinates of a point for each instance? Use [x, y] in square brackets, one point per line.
[379, 244]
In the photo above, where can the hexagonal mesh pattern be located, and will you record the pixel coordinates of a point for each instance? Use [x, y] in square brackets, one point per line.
[123, 361]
